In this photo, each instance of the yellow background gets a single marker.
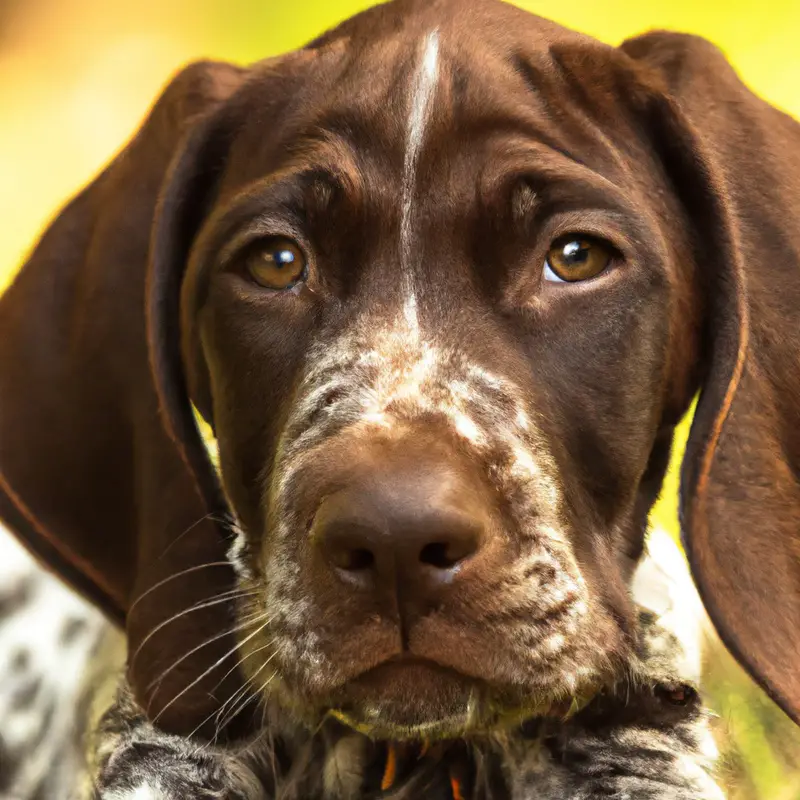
(76, 77)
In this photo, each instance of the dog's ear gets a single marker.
(735, 161)
(102, 473)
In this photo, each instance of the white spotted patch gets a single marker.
(48, 638)
(663, 585)
(145, 791)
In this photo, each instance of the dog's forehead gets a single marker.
(479, 23)
(463, 48)
(386, 77)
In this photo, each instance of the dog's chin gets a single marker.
(410, 699)
(420, 700)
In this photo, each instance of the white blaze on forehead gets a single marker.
(421, 104)
(410, 316)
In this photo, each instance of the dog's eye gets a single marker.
(576, 258)
(276, 263)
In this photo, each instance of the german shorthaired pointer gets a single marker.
(348, 386)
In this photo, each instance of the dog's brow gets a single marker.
(524, 201)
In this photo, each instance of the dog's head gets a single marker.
(442, 284)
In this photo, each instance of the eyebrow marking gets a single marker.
(421, 103)
(523, 202)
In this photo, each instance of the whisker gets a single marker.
(242, 625)
(212, 516)
(173, 577)
(216, 713)
(246, 694)
(241, 661)
(238, 693)
(242, 692)
(261, 688)
(225, 597)
(209, 670)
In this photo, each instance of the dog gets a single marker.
(439, 286)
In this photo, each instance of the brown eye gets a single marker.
(576, 258)
(276, 263)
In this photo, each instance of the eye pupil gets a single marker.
(576, 251)
(276, 263)
(577, 258)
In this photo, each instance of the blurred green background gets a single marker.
(76, 77)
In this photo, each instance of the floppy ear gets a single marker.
(735, 161)
(102, 474)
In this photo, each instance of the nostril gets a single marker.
(358, 560)
(352, 559)
(444, 555)
(436, 554)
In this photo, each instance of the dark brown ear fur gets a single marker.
(101, 472)
(735, 160)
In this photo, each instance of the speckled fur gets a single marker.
(375, 383)
(48, 640)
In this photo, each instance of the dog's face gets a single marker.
(442, 282)
(430, 319)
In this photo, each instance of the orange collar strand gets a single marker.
(455, 786)
(390, 771)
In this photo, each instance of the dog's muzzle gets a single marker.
(403, 531)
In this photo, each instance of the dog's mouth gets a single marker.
(411, 698)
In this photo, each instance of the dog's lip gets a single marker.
(412, 659)
(403, 666)
(407, 696)
(405, 663)
(363, 703)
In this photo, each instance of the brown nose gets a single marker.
(406, 532)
